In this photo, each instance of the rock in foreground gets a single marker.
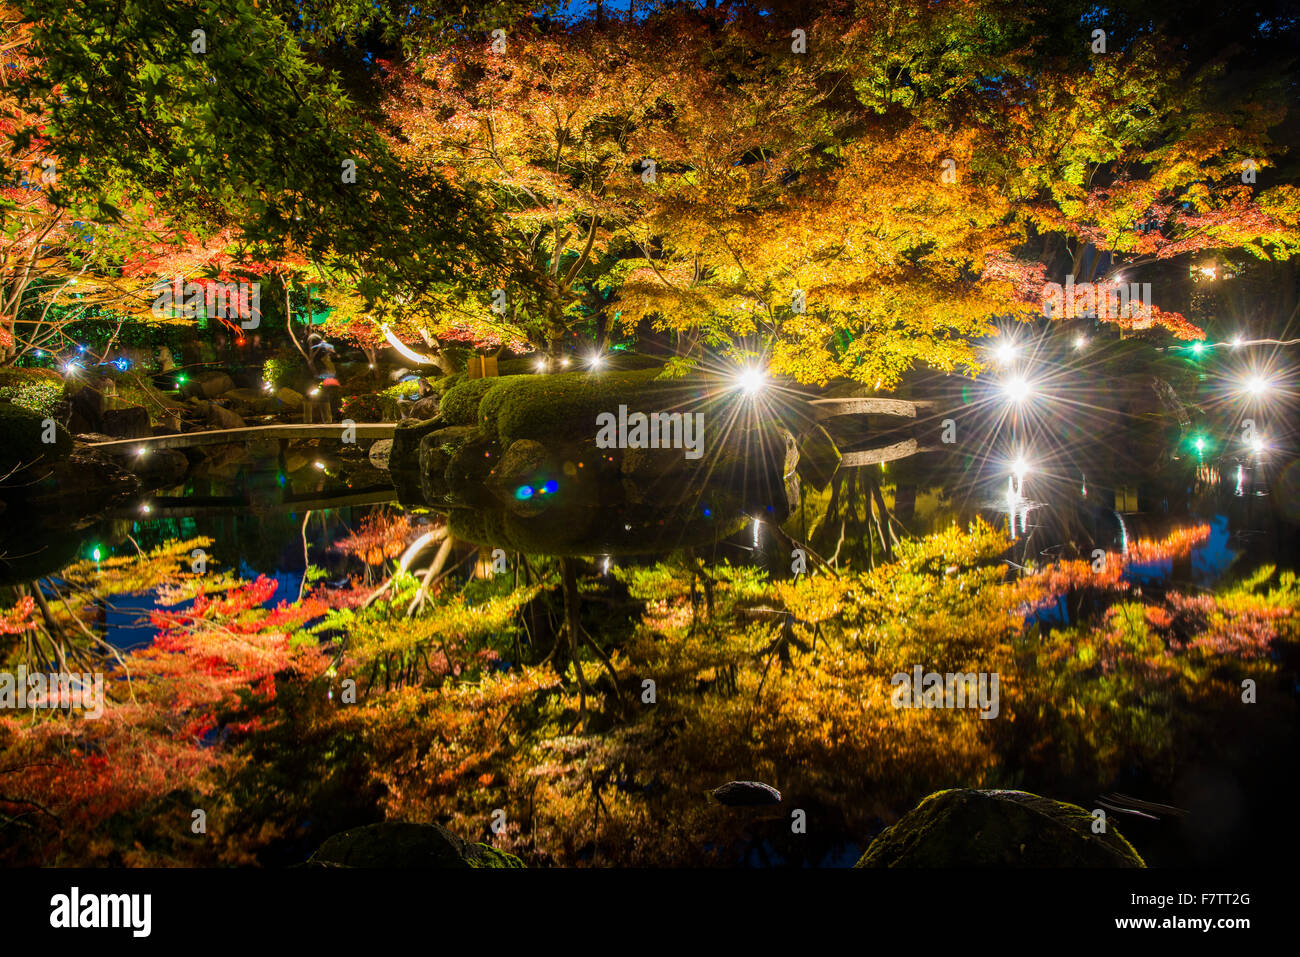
(398, 844)
(746, 794)
(968, 828)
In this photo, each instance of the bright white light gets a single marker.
(596, 360)
(565, 362)
(1257, 444)
(141, 450)
(751, 381)
(145, 509)
(1017, 389)
(314, 392)
(541, 365)
(1257, 385)
(319, 465)
(1006, 352)
(406, 353)
(1019, 468)
(1080, 342)
(1236, 342)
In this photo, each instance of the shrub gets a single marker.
(38, 390)
(281, 371)
(365, 407)
(548, 407)
(460, 402)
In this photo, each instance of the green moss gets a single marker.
(460, 403)
(21, 431)
(966, 828)
(401, 845)
(565, 406)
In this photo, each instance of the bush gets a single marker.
(38, 390)
(21, 431)
(460, 402)
(550, 407)
(365, 407)
(403, 390)
(282, 371)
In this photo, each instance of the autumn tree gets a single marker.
(560, 129)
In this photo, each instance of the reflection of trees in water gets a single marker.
(856, 527)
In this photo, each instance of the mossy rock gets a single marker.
(469, 468)
(434, 455)
(968, 828)
(406, 441)
(401, 845)
(21, 433)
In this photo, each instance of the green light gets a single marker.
(96, 553)
(1198, 348)
(182, 379)
(1199, 445)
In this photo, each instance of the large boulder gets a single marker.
(746, 794)
(968, 828)
(404, 458)
(252, 402)
(401, 845)
(218, 417)
(424, 408)
(131, 422)
(525, 463)
(207, 385)
(435, 453)
(380, 453)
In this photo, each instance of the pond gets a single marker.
(279, 513)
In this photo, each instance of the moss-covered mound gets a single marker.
(22, 434)
(396, 844)
(968, 828)
(460, 403)
(565, 406)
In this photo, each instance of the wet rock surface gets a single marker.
(968, 828)
(407, 846)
